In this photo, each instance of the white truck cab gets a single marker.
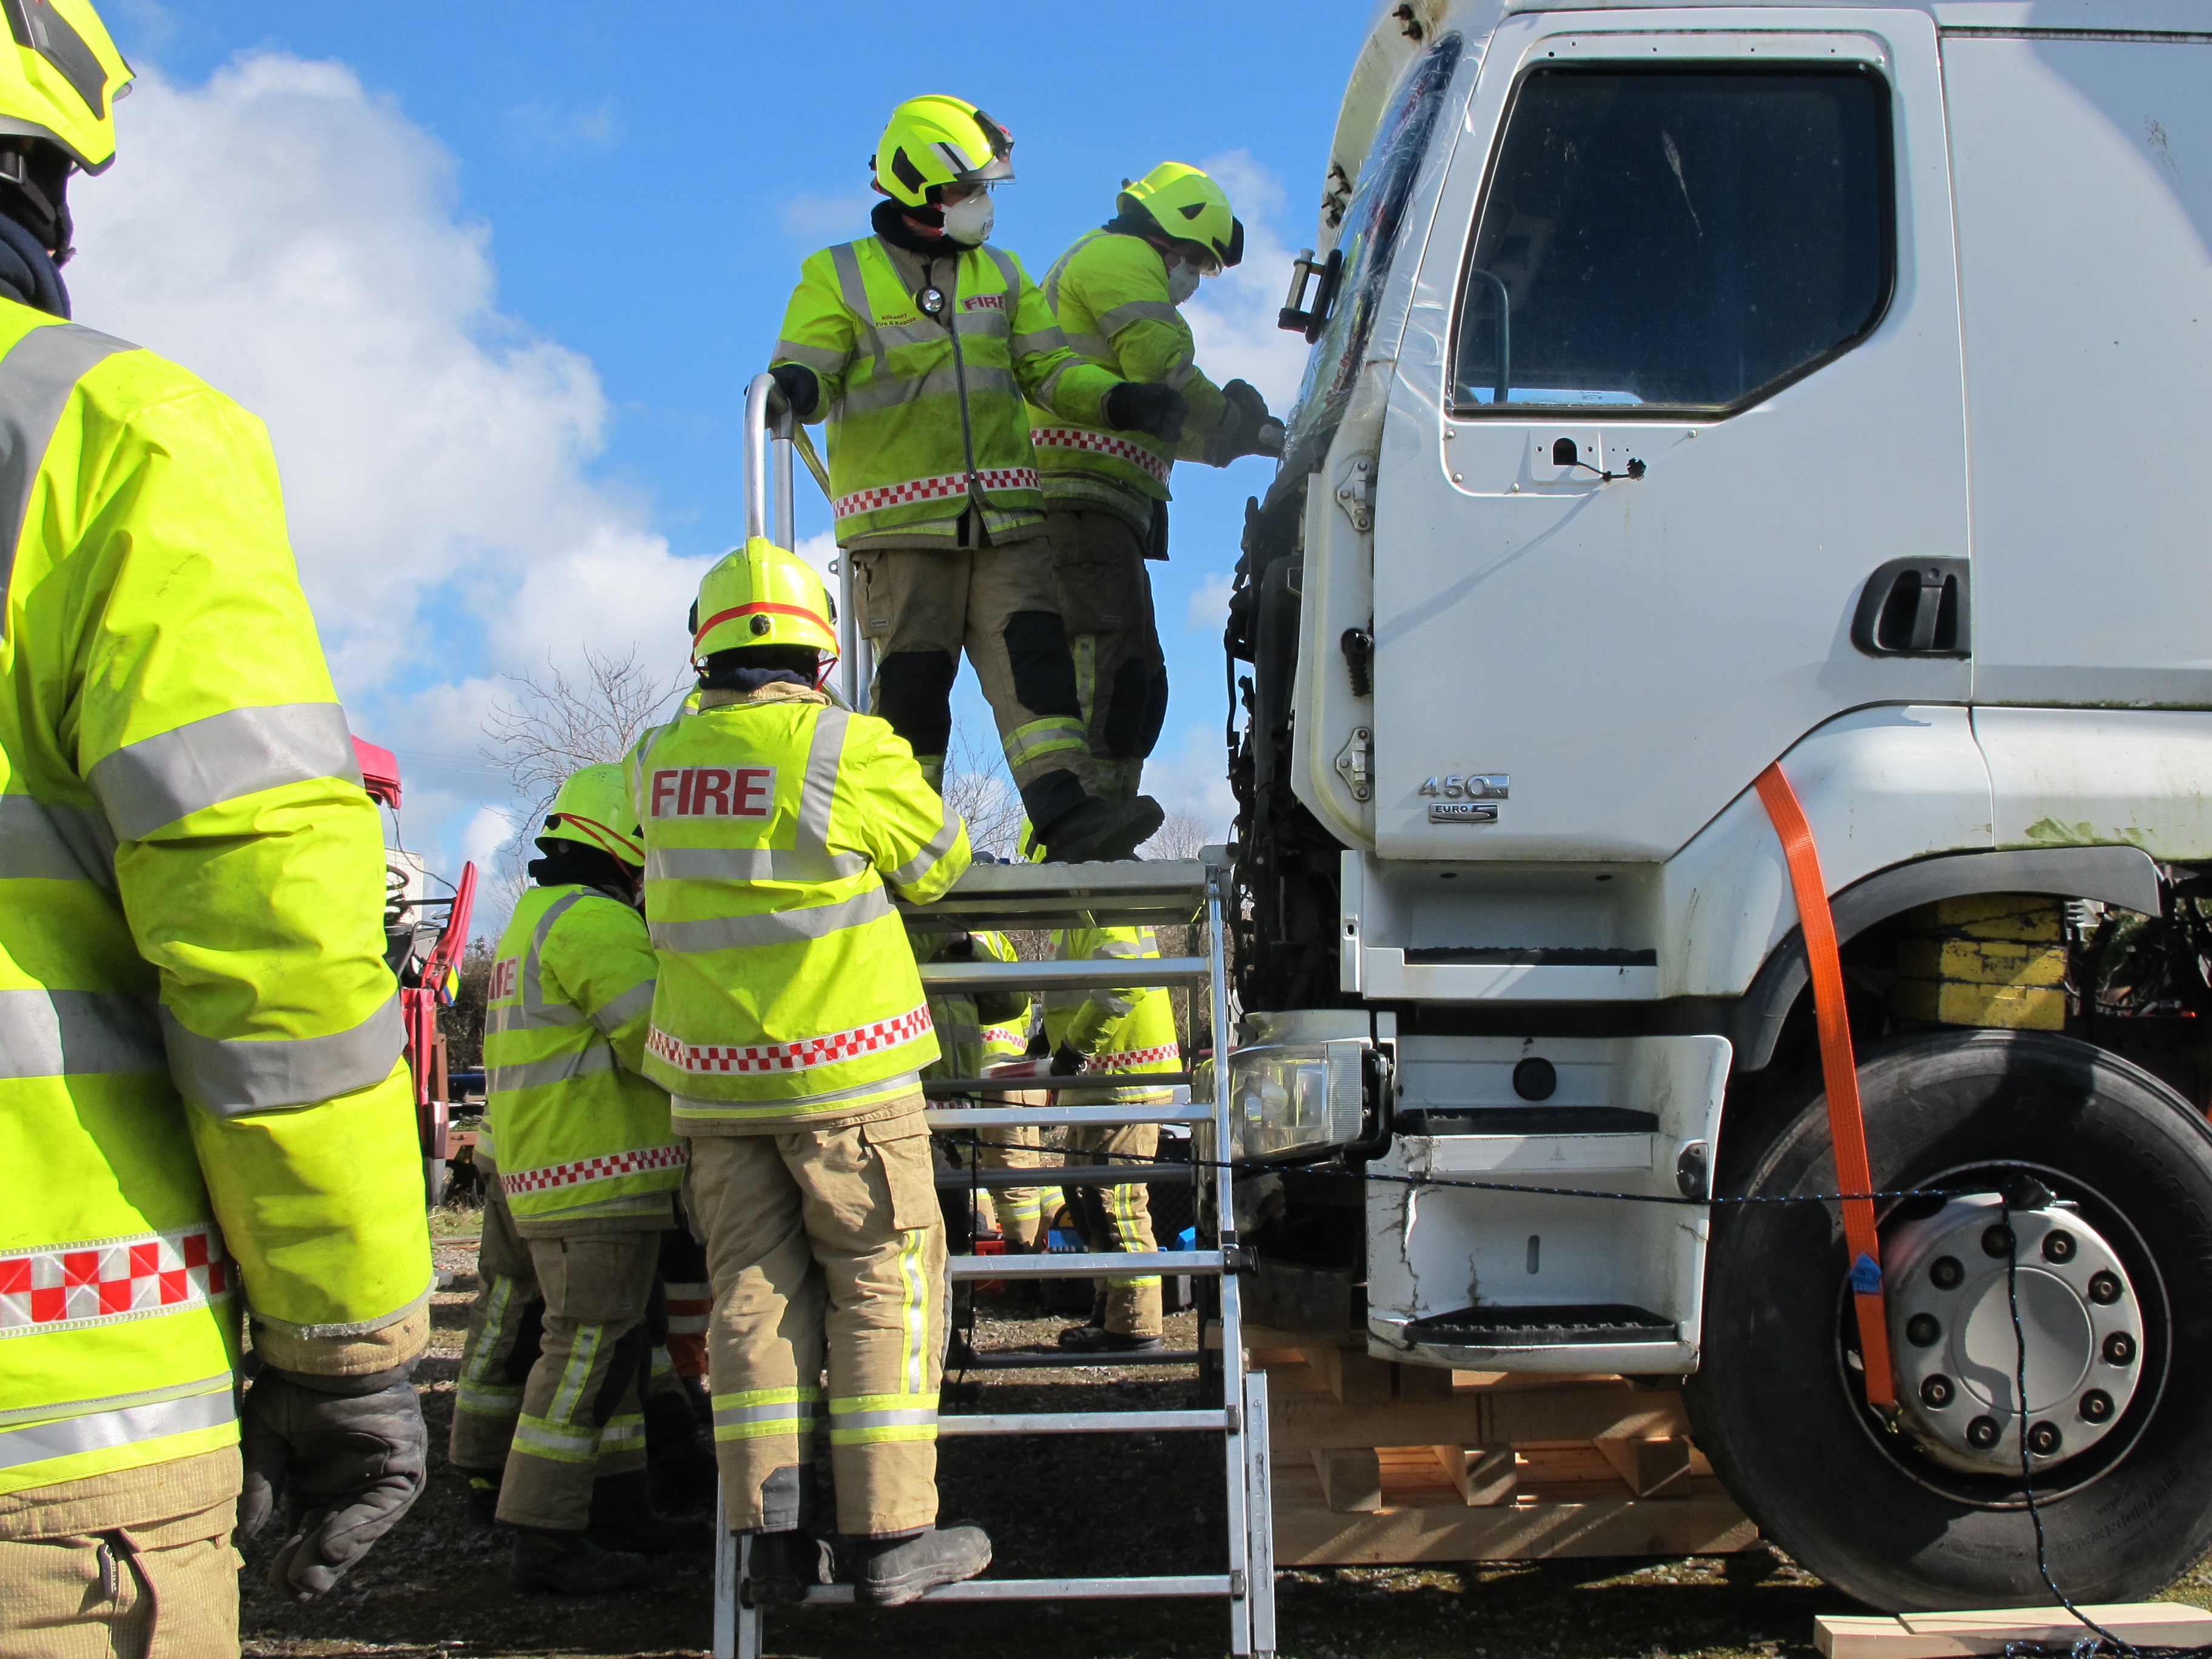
(1696, 390)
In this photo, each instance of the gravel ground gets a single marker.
(436, 1586)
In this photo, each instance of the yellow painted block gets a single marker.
(1982, 962)
(2008, 1007)
(1994, 915)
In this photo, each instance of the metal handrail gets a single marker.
(771, 429)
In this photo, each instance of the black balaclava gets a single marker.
(571, 864)
(748, 668)
(34, 226)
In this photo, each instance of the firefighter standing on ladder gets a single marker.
(200, 1044)
(918, 345)
(1115, 294)
(789, 1026)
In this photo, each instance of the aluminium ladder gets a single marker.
(1077, 895)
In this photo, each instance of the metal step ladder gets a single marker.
(1161, 894)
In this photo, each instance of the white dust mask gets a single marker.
(968, 221)
(1182, 281)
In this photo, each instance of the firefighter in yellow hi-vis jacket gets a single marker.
(207, 1119)
(1112, 1032)
(587, 1161)
(789, 1026)
(973, 1029)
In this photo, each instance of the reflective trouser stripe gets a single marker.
(538, 1437)
(914, 1313)
(577, 1374)
(1121, 1207)
(880, 1417)
(1054, 734)
(494, 1400)
(756, 1414)
(1085, 649)
(625, 1432)
(101, 1431)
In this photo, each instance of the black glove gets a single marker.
(348, 1466)
(961, 947)
(799, 387)
(1066, 1062)
(1148, 407)
(1245, 427)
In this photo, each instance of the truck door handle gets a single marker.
(1914, 608)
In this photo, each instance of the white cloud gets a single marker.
(489, 830)
(833, 216)
(1189, 778)
(297, 241)
(1209, 602)
(1232, 317)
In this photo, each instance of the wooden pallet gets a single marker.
(1376, 1464)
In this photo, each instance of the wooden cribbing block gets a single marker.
(1649, 1466)
(1351, 1479)
(1484, 1474)
(1947, 1635)
(1470, 1416)
(1358, 1378)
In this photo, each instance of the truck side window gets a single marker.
(1682, 239)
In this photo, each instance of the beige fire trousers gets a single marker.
(1118, 1219)
(582, 1414)
(921, 607)
(135, 1564)
(824, 1247)
(505, 1321)
(1105, 598)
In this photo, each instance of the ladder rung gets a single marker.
(1091, 976)
(1079, 1264)
(1008, 1359)
(993, 1087)
(1045, 1117)
(1084, 1423)
(1056, 1174)
(1051, 1589)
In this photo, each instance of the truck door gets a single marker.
(1680, 387)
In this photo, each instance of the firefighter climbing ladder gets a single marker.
(1077, 895)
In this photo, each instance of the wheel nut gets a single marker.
(1937, 1391)
(2058, 1246)
(1945, 1274)
(1923, 1331)
(2119, 1348)
(2096, 1406)
(1996, 1241)
(1982, 1433)
(2043, 1439)
(2104, 1287)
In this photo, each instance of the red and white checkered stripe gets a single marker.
(1124, 1058)
(591, 1168)
(1099, 443)
(928, 489)
(103, 1282)
(790, 1056)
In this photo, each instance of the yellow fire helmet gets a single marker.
(1189, 206)
(61, 81)
(593, 807)
(760, 594)
(937, 139)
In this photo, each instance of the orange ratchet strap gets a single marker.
(1840, 1071)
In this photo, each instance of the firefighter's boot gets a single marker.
(571, 1564)
(623, 1519)
(902, 1567)
(785, 1565)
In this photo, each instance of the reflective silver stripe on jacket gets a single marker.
(43, 842)
(750, 863)
(926, 859)
(771, 927)
(158, 780)
(103, 1431)
(232, 1076)
(633, 1004)
(36, 379)
(694, 1106)
(817, 791)
(77, 1034)
(1111, 323)
(555, 1069)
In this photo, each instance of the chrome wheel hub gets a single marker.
(1951, 1335)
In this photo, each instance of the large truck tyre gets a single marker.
(1890, 1515)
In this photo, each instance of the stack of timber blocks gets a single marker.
(1990, 959)
(1376, 1464)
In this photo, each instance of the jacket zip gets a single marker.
(960, 383)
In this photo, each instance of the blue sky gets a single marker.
(555, 240)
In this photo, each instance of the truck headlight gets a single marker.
(1289, 1098)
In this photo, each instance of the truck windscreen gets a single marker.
(1689, 238)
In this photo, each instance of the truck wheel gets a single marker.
(1895, 1517)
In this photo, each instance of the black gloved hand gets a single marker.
(347, 1466)
(961, 947)
(800, 389)
(1148, 407)
(1243, 423)
(1066, 1062)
